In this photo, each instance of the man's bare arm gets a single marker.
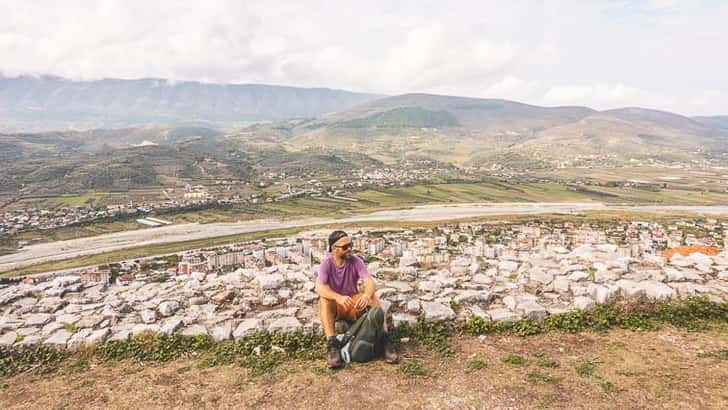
(369, 288)
(326, 292)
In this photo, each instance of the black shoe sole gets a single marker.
(336, 366)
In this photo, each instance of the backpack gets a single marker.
(361, 343)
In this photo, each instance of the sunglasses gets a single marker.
(344, 247)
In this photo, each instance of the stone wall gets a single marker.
(65, 313)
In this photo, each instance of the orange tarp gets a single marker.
(688, 250)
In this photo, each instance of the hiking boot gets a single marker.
(333, 354)
(391, 353)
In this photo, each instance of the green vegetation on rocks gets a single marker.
(692, 313)
(260, 353)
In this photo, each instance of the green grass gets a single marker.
(475, 364)
(721, 354)
(515, 360)
(538, 377)
(586, 366)
(262, 353)
(413, 369)
(547, 363)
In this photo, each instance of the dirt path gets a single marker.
(619, 369)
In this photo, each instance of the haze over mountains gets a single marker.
(53, 103)
(312, 131)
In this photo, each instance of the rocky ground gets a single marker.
(669, 368)
(66, 313)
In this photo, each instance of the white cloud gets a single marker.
(570, 52)
(598, 95)
(511, 87)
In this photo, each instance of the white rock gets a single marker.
(384, 292)
(78, 339)
(561, 284)
(657, 260)
(578, 275)
(58, 339)
(51, 328)
(98, 336)
(8, 339)
(277, 313)
(510, 301)
(170, 325)
(37, 319)
(584, 303)
(700, 259)
(192, 284)
(538, 275)
(144, 328)
(247, 327)
(679, 260)
(470, 296)
(270, 281)
(606, 247)
(222, 332)
(197, 300)
(90, 321)
(503, 315)
(193, 330)
(437, 311)
(30, 340)
(630, 288)
(120, 334)
(285, 325)
(68, 280)
(572, 268)
(429, 286)
(148, 316)
(602, 294)
(533, 310)
(658, 290)
(296, 277)
(507, 266)
(603, 276)
(51, 304)
(413, 306)
(400, 318)
(26, 302)
(198, 276)
(482, 279)
(402, 287)
(689, 289)
(168, 308)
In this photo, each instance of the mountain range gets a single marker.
(312, 131)
(48, 103)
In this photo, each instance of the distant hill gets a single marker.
(59, 162)
(470, 113)
(53, 103)
(475, 131)
(718, 121)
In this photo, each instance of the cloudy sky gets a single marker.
(666, 54)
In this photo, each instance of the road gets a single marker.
(59, 250)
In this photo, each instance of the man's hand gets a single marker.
(345, 301)
(362, 302)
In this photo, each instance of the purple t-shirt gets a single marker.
(342, 280)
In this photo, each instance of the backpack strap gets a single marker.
(355, 327)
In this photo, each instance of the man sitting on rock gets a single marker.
(340, 299)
